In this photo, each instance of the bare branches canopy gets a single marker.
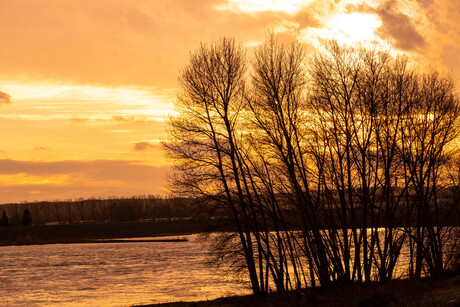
(326, 166)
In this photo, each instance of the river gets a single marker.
(121, 274)
(111, 274)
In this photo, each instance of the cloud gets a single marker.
(94, 168)
(425, 2)
(41, 148)
(4, 98)
(143, 146)
(285, 6)
(132, 42)
(132, 118)
(120, 118)
(142, 42)
(31, 180)
(79, 119)
(399, 26)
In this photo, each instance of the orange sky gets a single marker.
(85, 85)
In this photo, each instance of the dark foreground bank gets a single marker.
(99, 232)
(396, 293)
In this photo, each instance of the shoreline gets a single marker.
(100, 232)
(105, 241)
(94, 232)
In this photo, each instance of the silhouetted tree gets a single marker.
(430, 126)
(5, 220)
(320, 167)
(277, 105)
(204, 138)
(26, 218)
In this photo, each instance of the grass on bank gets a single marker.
(394, 293)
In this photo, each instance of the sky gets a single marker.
(86, 85)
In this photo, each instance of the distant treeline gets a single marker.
(138, 208)
(151, 207)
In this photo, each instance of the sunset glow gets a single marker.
(255, 6)
(91, 83)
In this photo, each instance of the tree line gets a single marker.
(326, 165)
(138, 208)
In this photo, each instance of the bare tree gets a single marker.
(319, 167)
(430, 126)
(204, 137)
(277, 105)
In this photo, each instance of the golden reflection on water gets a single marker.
(111, 274)
(120, 274)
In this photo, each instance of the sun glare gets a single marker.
(355, 27)
(345, 28)
(255, 6)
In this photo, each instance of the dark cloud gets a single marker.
(143, 146)
(4, 98)
(398, 26)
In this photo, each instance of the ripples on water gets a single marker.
(110, 274)
(119, 274)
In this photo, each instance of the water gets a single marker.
(111, 274)
(120, 274)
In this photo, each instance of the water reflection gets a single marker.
(122, 274)
(110, 274)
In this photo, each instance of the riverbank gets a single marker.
(99, 232)
(395, 293)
